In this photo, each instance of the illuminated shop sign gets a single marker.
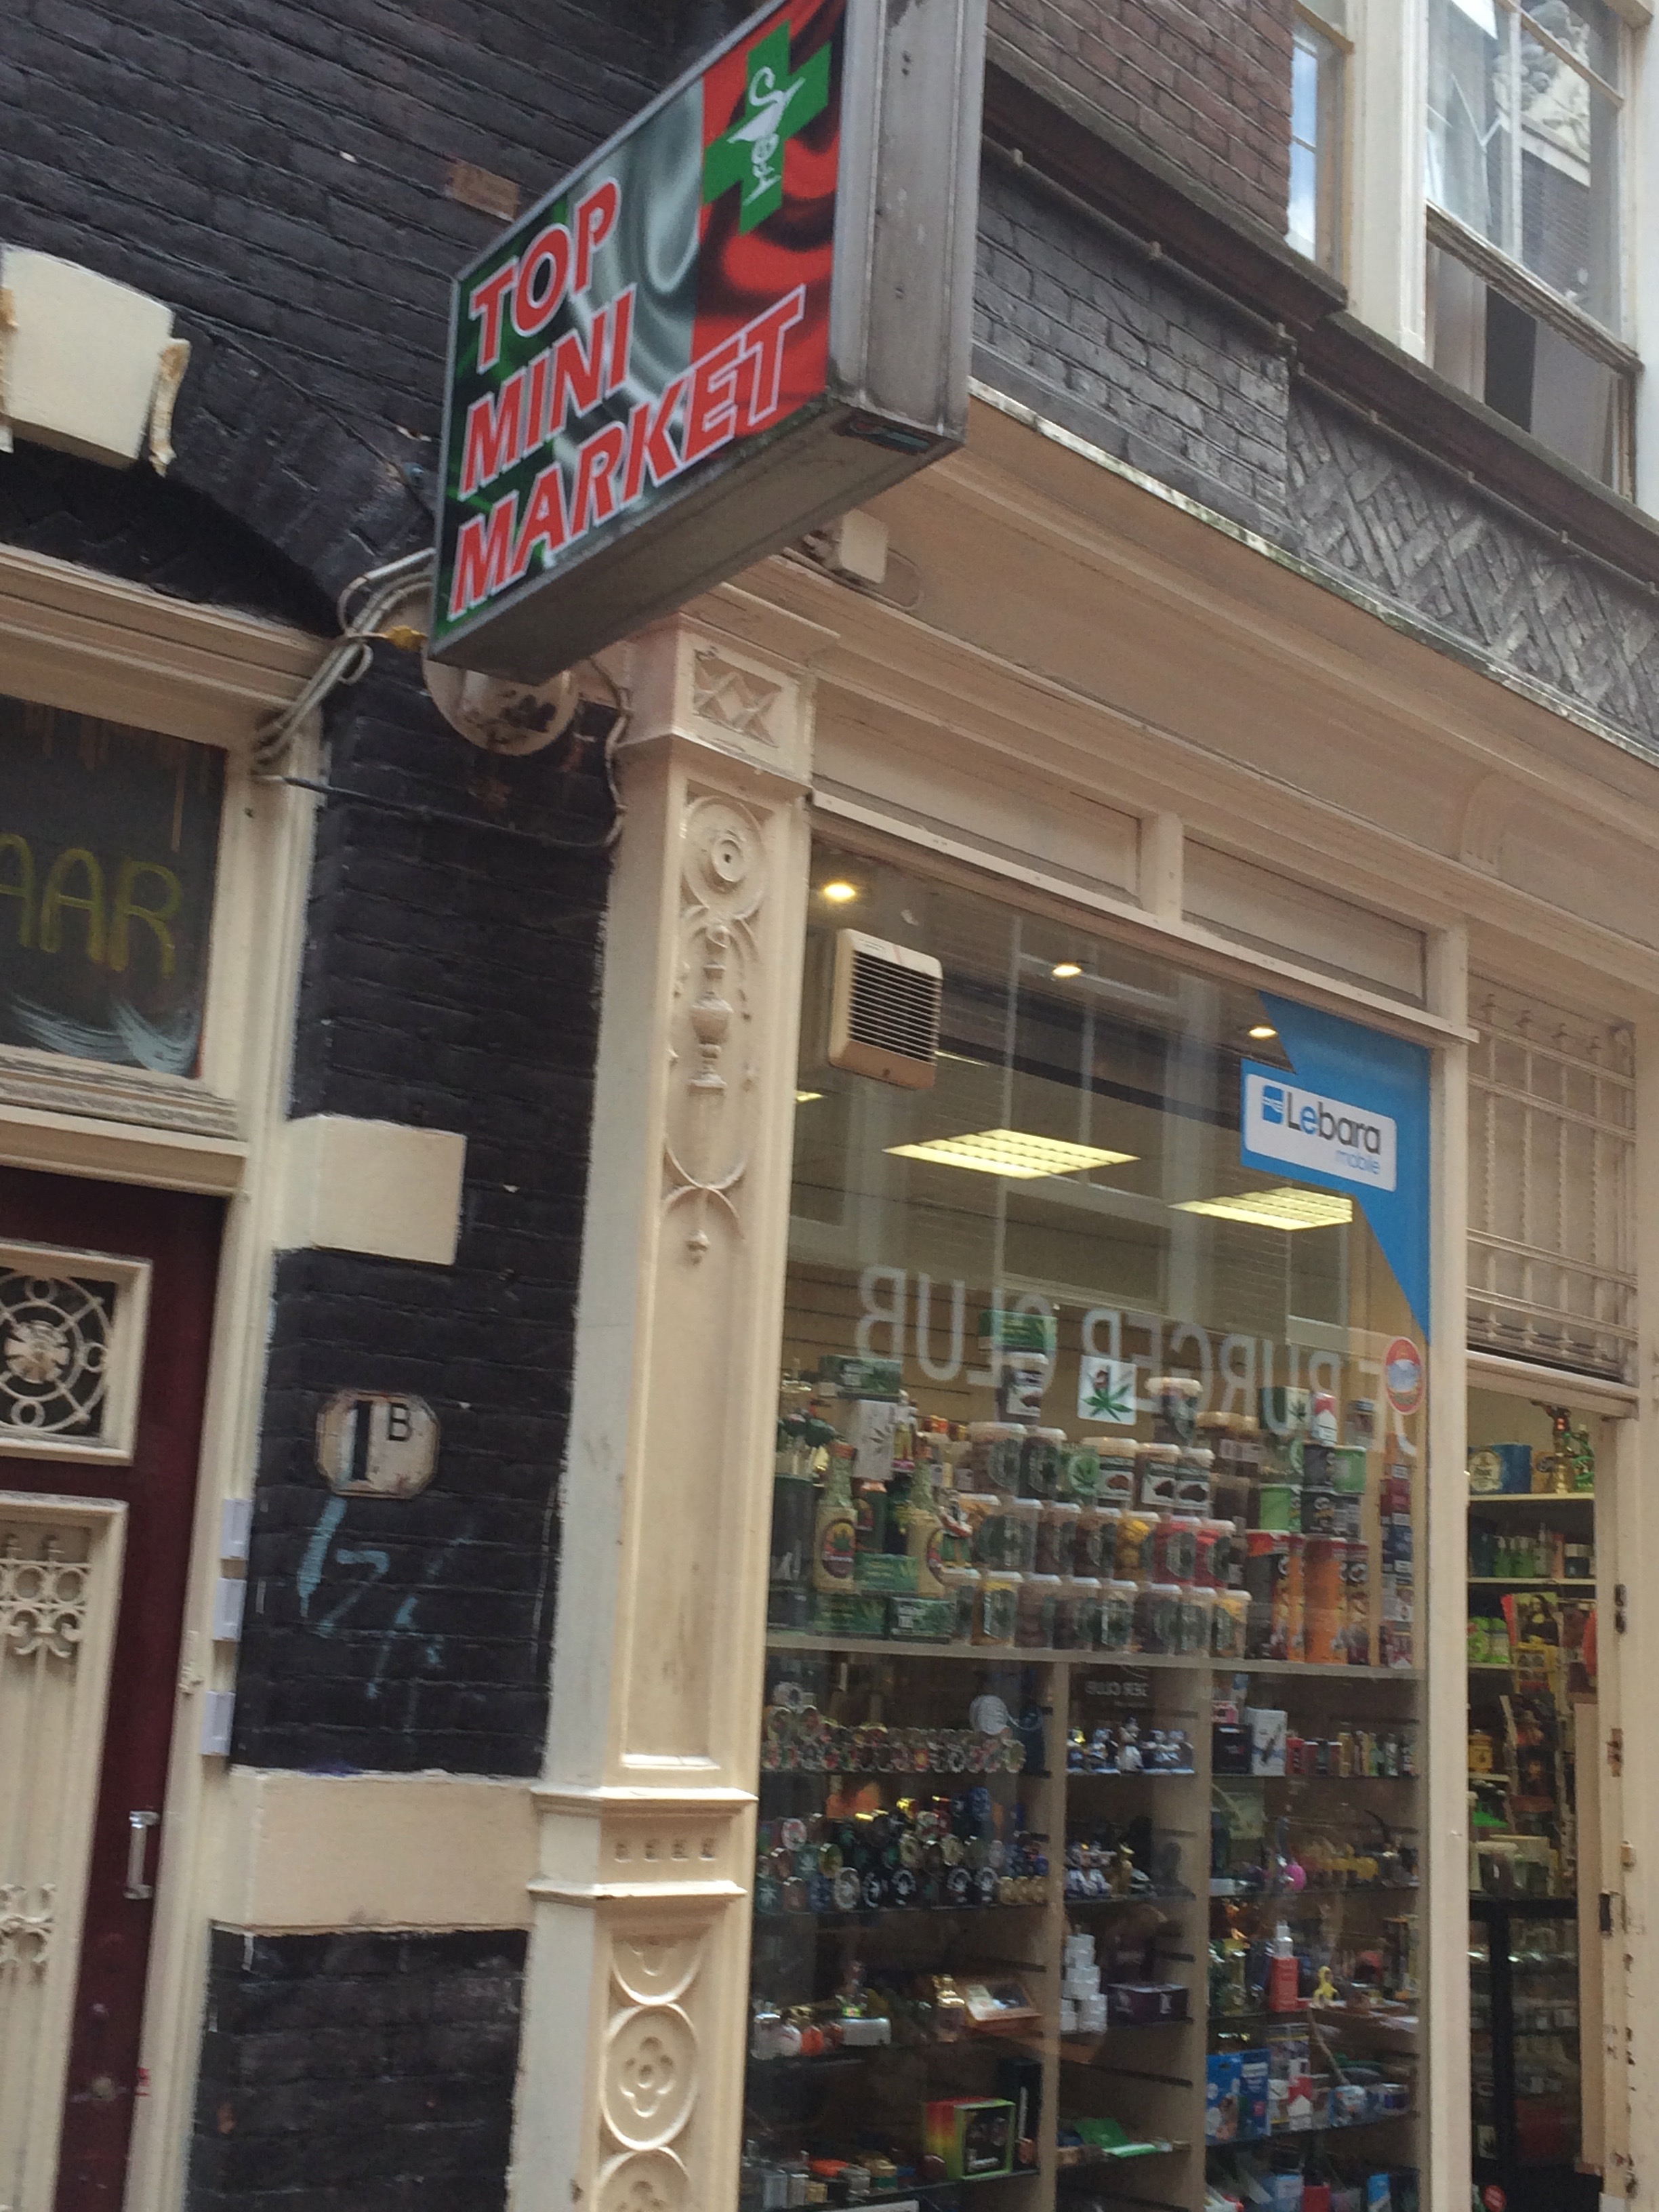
(747, 312)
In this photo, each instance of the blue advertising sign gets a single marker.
(1351, 1115)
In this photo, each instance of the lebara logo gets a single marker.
(751, 154)
(1305, 1129)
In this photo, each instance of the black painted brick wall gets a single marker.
(1068, 322)
(451, 983)
(1207, 82)
(359, 2073)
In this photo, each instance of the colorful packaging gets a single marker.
(1221, 2097)
(1357, 1590)
(970, 2135)
(1079, 1472)
(1255, 2067)
(1117, 1471)
(1326, 1614)
(921, 1620)
(1174, 1548)
(1278, 1506)
(1191, 1481)
(1155, 1476)
(1296, 1605)
(1267, 1563)
(1136, 1533)
(1348, 1469)
(1228, 1620)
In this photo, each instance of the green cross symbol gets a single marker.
(751, 154)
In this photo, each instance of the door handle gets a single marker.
(138, 1828)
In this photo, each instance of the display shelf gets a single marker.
(1315, 1670)
(1130, 1774)
(1084, 2157)
(1584, 1583)
(864, 1915)
(1531, 1498)
(1135, 1897)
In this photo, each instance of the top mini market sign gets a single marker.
(748, 311)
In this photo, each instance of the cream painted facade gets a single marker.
(1098, 702)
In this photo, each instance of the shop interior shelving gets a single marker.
(1153, 2078)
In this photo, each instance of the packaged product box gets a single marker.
(869, 1425)
(1221, 2098)
(1137, 2004)
(972, 2135)
(848, 1612)
(854, 1375)
(1290, 2077)
(1269, 1727)
(1379, 2192)
(1347, 1465)
(893, 1573)
(921, 1620)
(1254, 2101)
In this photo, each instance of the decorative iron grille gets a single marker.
(1552, 1140)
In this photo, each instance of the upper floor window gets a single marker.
(1523, 183)
(1315, 227)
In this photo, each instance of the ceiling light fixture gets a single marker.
(1011, 1152)
(839, 891)
(1287, 1207)
(1264, 1030)
(805, 1097)
(1063, 971)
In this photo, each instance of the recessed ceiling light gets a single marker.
(1012, 1152)
(839, 891)
(1264, 1030)
(1063, 971)
(1287, 1207)
(805, 1097)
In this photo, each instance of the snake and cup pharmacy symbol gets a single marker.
(751, 154)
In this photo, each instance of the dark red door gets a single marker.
(180, 1237)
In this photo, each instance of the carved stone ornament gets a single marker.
(650, 2079)
(644, 2181)
(27, 1920)
(656, 1972)
(711, 1070)
(43, 1601)
(733, 698)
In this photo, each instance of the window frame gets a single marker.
(1330, 146)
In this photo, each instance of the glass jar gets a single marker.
(1056, 1548)
(994, 1455)
(1035, 1626)
(1192, 1619)
(1191, 1481)
(1174, 1548)
(1077, 1612)
(1136, 1533)
(1116, 1626)
(1157, 1609)
(1040, 1459)
(1095, 1552)
(998, 1606)
(1229, 1617)
(1117, 1471)
(961, 1586)
(1155, 1476)
(1022, 1518)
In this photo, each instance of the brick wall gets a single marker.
(360, 2073)
(1206, 83)
(450, 982)
(1072, 323)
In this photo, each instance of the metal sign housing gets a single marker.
(747, 312)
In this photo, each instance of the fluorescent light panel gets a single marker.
(1012, 1152)
(1287, 1207)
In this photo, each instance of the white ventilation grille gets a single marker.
(1552, 1144)
(883, 1011)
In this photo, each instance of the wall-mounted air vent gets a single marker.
(883, 1011)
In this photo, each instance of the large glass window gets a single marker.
(1522, 181)
(1089, 1839)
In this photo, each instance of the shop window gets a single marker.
(1551, 1155)
(109, 842)
(1535, 1472)
(1090, 1829)
(1317, 95)
(1522, 182)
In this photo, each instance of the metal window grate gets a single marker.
(1552, 1139)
